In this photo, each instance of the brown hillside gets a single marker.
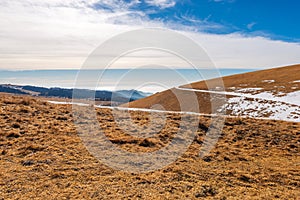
(169, 100)
(284, 81)
(283, 77)
(42, 157)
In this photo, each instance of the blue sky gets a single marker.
(278, 19)
(60, 34)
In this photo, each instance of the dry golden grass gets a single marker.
(42, 157)
(283, 78)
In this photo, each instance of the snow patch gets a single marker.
(264, 104)
(258, 108)
(249, 90)
(268, 81)
(290, 98)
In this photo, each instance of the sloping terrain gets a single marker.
(272, 93)
(281, 79)
(42, 157)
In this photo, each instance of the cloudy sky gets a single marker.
(60, 34)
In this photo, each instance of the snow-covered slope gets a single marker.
(258, 103)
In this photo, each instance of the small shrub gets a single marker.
(62, 118)
(203, 127)
(13, 135)
(25, 102)
(27, 162)
(15, 125)
(245, 178)
(207, 158)
(24, 110)
(147, 143)
(206, 191)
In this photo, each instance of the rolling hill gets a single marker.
(272, 93)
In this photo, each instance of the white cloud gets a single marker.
(200, 25)
(60, 34)
(57, 34)
(116, 4)
(238, 51)
(161, 3)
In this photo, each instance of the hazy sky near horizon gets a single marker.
(60, 34)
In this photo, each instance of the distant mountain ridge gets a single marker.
(99, 95)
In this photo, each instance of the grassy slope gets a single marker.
(42, 157)
(283, 76)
